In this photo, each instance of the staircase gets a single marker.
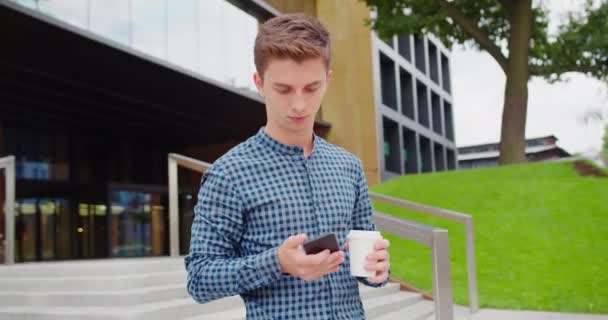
(147, 289)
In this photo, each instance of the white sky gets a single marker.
(558, 109)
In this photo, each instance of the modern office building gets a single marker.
(94, 94)
(486, 155)
(414, 105)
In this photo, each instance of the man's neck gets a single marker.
(302, 139)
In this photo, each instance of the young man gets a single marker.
(264, 198)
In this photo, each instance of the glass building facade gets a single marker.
(99, 189)
(212, 38)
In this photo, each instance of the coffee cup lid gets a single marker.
(364, 234)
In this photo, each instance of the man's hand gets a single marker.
(296, 262)
(377, 261)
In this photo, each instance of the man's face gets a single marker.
(293, 92)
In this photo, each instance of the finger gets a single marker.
(378, 256)
(332, 268)
(380, 278)
(295, 241)
(381, 244)
(335, 257)
(335, 263)
(346, 245)
(378, 266)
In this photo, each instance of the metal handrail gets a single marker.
(467, 220)
(190, 163)
(433, 237)
(8, 164)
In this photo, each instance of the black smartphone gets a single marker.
(328, 241)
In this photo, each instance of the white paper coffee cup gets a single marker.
(361, 244)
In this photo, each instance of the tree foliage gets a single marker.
(580, 45)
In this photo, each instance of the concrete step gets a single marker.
(109, 298)
(236, 309)
(122, 266)
(368, 292)
(420, 310)
(92, 283)
(65, 297)
(184, 308)
(239, 313)
(134, 289)
(375, 307)
(234, 314)
(231, 308)
(173, 309)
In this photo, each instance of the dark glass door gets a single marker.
(40, 224)
(138, 224)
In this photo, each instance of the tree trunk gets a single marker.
(513, 130)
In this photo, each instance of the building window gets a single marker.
(437, 114)
(137, 224)
(449, 128)
(73, 12)
(39, 155)
(183, 38)
(423, 104)
(420, 53)
(433, 62)
(387, 82)
(426, 160)
(405, 48)
(388, 41)
(110, 19)
(407, 94)
(451, 159)
(391, 146)
(439, 157)
(410, 151)
(150, 27)
(445, 73)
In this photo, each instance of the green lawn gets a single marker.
(541, 235)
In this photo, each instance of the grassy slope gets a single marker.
(541, 235)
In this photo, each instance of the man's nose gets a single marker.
(298, 104)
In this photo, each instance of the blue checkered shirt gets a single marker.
(251, 200)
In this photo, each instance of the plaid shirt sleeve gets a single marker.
(362, 215)
(215, 267)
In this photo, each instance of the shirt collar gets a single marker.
(271, 143)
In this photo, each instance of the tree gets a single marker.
(514, 33)
(605, 146)
(599, 116)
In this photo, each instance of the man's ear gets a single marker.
(330, 75)
(259, 83)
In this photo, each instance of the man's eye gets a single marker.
(283, 91)
(311, 89)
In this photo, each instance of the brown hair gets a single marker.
(294, 36)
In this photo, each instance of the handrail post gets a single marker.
(174, 161)
(471, 267)
(8, 164)
(173, 209)
(442, 278)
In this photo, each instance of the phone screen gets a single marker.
(328, 241)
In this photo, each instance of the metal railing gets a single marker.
(8, 164)
(467, 220)
(435, 238)
(176, 160)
